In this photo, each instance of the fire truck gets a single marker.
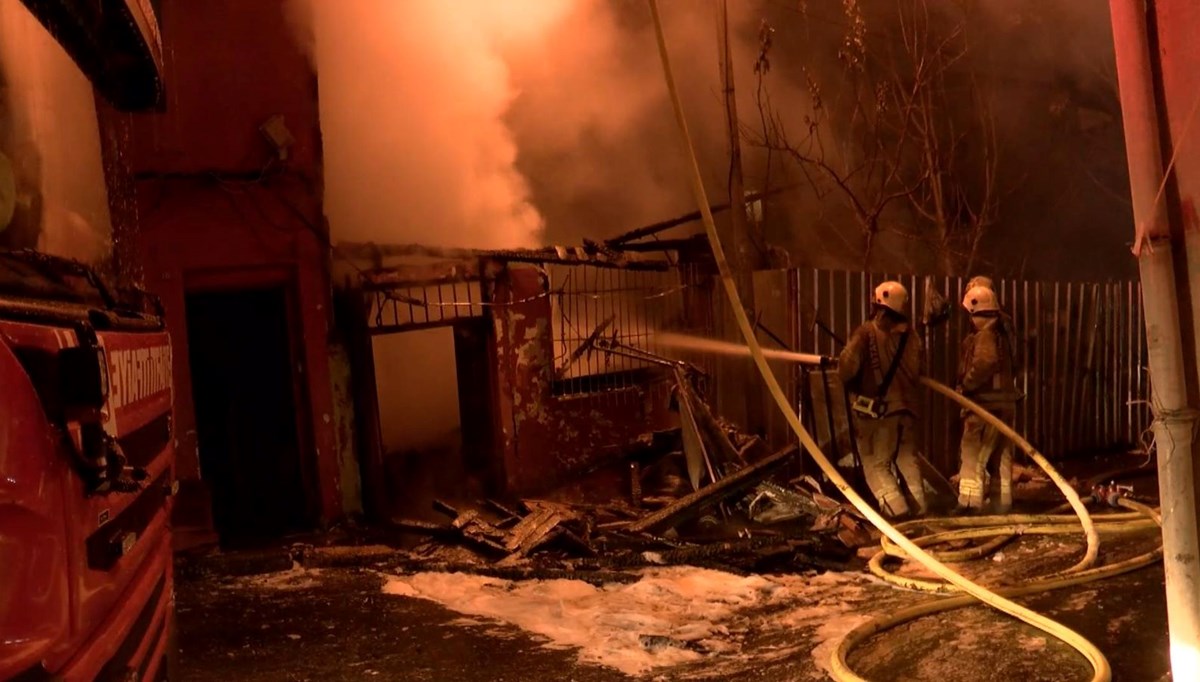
(86, 447)
(86, 481)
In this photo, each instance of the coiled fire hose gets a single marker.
(1116, 522)
(998, 599)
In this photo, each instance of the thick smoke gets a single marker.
(505, 123)
(593, 122)
(413, 98)
(498, 124)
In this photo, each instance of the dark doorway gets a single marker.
(472, 354)
(246, 418)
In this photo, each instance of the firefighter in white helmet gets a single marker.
(880, 366)
(980, 281)
(1005, 319)
(985, 374)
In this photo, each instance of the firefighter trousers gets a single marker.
(882, 442)
(980, 442)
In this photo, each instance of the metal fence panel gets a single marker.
(635, 304)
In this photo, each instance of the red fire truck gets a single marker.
(86, 449)
(86, 481)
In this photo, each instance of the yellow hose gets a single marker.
(841, 667)
(1102, 670)
(1006, 527)
(1005, 532)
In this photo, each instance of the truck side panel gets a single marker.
(117, 543)
(34, 594)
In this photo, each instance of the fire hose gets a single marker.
(999, 599)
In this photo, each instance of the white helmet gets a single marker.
(893, 296)
(980, 299)
(980, 281)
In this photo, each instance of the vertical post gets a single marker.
(1171, 368)
(366, 401)
(736, 382)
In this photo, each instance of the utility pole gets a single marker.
(741, 398)
(1157, 123)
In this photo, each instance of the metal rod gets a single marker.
(832, 308)
(829, 417)
(1051, 436)
(1025, 421)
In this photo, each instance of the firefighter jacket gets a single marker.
(985, 368)
(868, 354)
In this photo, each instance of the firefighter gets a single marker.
(880, 365)
(1006, 320)
(1010, 334)
(985, 375)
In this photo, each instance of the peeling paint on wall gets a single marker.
(546, 438)
(344, 434)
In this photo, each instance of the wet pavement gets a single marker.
(339, 624)
(361, 618)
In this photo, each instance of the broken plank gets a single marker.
(541, 534)
(734, 483)
(465, 518)
(469, 536)
(509, 517)
(532, 524)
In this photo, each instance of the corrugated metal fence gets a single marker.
(1081, 351)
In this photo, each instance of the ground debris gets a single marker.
(703, 494)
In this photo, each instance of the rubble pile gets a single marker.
(703, 495)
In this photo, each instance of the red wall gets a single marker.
(216, 209)
(544, 438)
(230, 65)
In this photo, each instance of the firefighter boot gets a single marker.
(978, 442)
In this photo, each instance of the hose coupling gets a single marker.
(1111, 494)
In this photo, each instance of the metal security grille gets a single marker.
(405, 308)
(596, 310)
(1082, 354)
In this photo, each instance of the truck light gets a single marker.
(84, 376)
(125, 543)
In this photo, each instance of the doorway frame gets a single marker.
(361, 322)
(287, 279)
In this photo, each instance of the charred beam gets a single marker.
(687, 244)
(662, 226)
(445, 272)
(691, 504)
(553, 255)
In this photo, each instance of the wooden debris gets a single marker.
(735, 502)
(692, 504)
(532, 530)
